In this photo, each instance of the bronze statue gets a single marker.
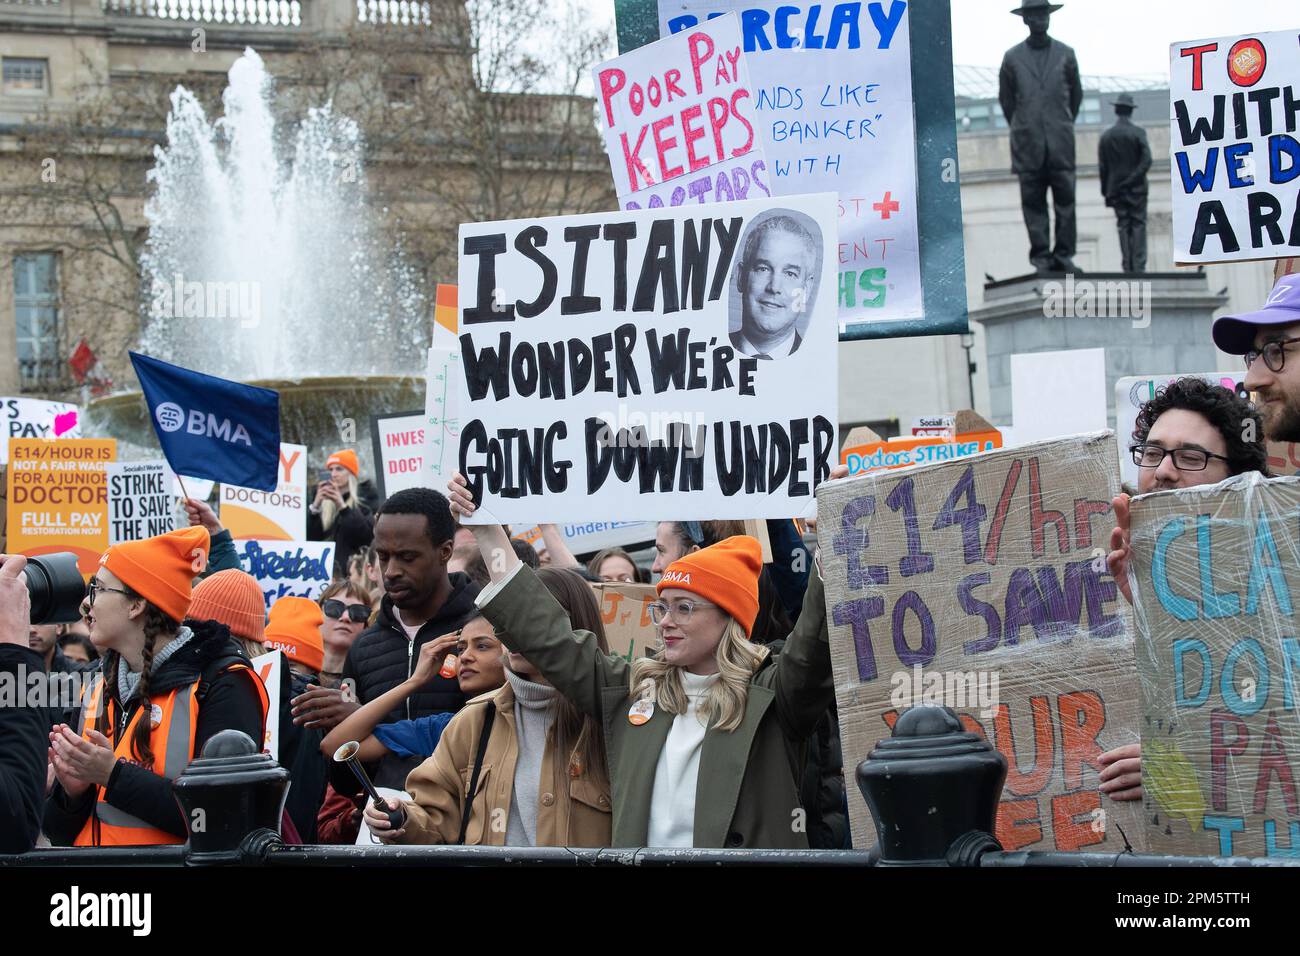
(1125, 158)
(1040, 92)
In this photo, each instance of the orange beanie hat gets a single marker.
(294, 627)
(348, 459)
(161, 569)
(725, 573)
(235, 599)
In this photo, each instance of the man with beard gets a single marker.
(1270, 342)
(1192, 433)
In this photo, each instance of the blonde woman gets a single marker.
(343, 510)
(704, 740)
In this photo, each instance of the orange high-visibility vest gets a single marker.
(175, 714)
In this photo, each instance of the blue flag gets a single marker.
(212, 428)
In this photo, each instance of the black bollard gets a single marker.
(232, 790)
(933, 790)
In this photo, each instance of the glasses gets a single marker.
(357, 613)
(93, 587)
(1274, 354)
(680, 610)
(1185, 459)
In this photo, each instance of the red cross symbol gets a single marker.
(886, 206)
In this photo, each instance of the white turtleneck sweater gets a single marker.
(534, 714)
(672, 801)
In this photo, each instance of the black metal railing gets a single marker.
(932, 788)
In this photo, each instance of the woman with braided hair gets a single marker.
(162, 690)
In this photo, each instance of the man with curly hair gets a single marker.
(1191, 433)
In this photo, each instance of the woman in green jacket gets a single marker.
(705, 739)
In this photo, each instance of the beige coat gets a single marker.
(576, 814)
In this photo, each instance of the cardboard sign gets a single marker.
(57, 497)
(1216, 583)
(141, 503)
(611, 380)
(399, 442)
(678, 119)
(835, 112)
(288, 568)
(270, 515)
(34, 418)
(625, 611)
(864, 451)
(982, 585)
(1235, 156)
(268, 668)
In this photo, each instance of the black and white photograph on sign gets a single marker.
(599, 377)
(775, 284)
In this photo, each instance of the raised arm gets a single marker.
(801, 677)
(558, 548)
(529, 621)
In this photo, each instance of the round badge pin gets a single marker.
(1246, 62)
(640, 712)
(155, 715)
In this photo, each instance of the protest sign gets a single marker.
(446, 316)
(442, 415)
(57, 497)
(288, 568)
(864, 451)
(399, 444)
(140, 500)
(982, 585)
(1215, 584)
(625, 611)
(1133, 391)
(621, 375)
(1235, 158)
(279, 515)
(34, 418)
(834, 109)
(678, 119)
(589, 537)
(1058, 393)
(268, 669)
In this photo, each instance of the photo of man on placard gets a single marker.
(776, 281)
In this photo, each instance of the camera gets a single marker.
(56, 587)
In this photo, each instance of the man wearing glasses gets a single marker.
(1192, 433)
(1270, 342)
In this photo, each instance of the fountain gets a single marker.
(265, 264)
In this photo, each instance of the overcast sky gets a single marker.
(1111, 37)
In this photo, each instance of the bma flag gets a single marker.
(212, 428)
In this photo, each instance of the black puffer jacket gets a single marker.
(382, 657)
(229, 701)
(353, 529)
(24, 736)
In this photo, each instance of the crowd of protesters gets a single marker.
(475, 674)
